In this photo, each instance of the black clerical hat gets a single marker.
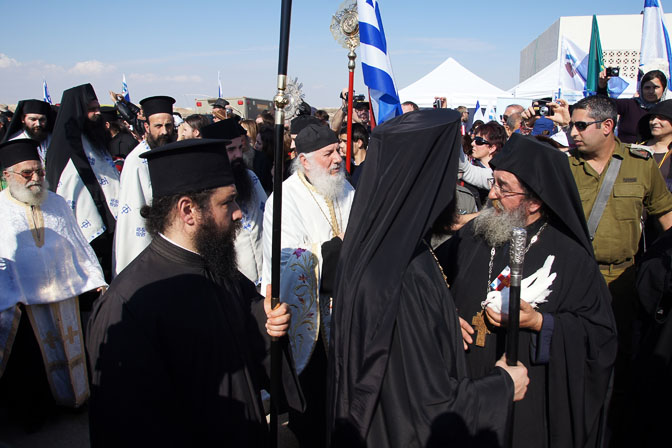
(18, 150)
(109, 113)
(221, 102)
(225, 129)
(188, 166)
(36, 107)
(300, 122)
(314, 137)
(157, 105)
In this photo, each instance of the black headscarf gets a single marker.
(408, 180)
(66, 144)
(545, 171)
(16, 124)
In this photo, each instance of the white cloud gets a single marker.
(6, 61)
(90, 68)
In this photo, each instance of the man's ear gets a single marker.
(304, 160)
(533, 206)
(186, 211)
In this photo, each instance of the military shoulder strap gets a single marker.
(641, 151)
(603, 196)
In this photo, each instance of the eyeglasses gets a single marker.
(582, 125)
(481, 141)
(28, 174)
(504, 118)
(502, 191)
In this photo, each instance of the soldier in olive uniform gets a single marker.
(638, 186)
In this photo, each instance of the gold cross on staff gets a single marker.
(478, 321)
(51, 340)
(71, 335)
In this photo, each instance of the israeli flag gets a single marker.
(655, 49)
(124, 89)
(45, 92)
(219, 83)
(376, 62)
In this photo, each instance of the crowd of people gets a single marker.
(136, 258)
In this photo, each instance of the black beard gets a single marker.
(217, 248)
(159, 141)
(242, 180)
(38, 134)
(96, 133)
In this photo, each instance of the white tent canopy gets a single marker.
(540, 85)
(451, 80)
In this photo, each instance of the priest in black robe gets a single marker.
(398, 374)
(567, 336)
(178, 345)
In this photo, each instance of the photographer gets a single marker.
(131, 114)
(652, 89)
(360, 108)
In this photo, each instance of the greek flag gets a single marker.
(655, 49)
(45, 92)
(124, 89)
(376, 62)
(219, 89)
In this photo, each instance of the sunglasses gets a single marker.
(582, 125)
(28, 174)
(481, 141)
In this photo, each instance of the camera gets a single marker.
(541, 108)
(437, 103)
(613, 71)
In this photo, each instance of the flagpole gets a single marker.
(351, 81)
(280, 101)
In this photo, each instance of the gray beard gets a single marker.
(29, 195)
(496, 227)
(331, 186)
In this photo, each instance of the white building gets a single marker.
(621, 37)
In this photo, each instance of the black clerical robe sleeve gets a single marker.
(292, 395)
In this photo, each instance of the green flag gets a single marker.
(595, 62)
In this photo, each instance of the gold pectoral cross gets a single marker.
(478, 321)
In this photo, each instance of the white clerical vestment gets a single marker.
(249, 248)
(45, 263)
(42, 149)
(73, 189)
(131, 236)
(308, 220)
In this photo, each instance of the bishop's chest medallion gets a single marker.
(478, 321)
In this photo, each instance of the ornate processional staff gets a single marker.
(345, 29)
(280, 102)
(517, 256)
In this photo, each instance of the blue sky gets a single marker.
(176, 47)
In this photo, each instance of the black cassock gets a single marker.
(426, 398)
(569, 361)
(178, 359)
